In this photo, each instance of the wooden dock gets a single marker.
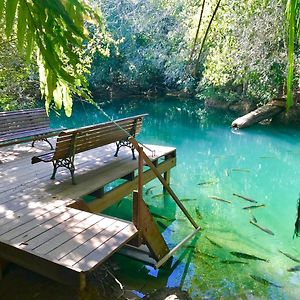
(43, 225)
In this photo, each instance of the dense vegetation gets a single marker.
(223, 50)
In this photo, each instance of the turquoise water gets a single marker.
(261, 163)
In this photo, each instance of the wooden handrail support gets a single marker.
(148, 231)
(162, 180)
(140, 202)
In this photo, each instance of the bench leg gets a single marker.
(66, 163)
(42, 139)
(133, 155)
(124, 143)
(46, 140)
(72, 171)
(118, 148)
(54, 170)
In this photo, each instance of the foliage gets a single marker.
(19, 86)
(246, 50)
(293, 25)
(57, 29)
(152, 44)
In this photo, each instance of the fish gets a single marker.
(158, 196)
(290, 256)
(297, 222)
(207, 182)
(149, 190)
(240, 170)
(294, 269)
(219, 199)
(254, 219)
(187, 199)
(162, 217)
(268, 231)
(198, 213)
(264, 281)
(231, 262)
(212, 242)
(245, 198)
(254, 206)
(119, 203)
(247, 256)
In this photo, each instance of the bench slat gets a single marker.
(24, 125)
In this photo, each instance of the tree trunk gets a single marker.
(265, 112)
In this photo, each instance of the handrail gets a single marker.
(144, 157)
(163, 181)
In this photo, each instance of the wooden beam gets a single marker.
(129, 176)
(167, 177)
(169, 255)
(113, 196)
(43, 266)
(148, 229)
(98, 193)
(3, 265)
(80, 205)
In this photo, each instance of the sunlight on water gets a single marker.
(261, 163)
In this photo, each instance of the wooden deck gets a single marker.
(41, 232)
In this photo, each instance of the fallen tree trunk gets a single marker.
(265, 112)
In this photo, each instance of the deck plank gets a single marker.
(106, 249)
(90, 243)
(26, 212)
(54, 231)
(16, 231)
(20, 219)
(80, 238)
(51, 223)
(59, 241)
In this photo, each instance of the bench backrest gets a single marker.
(23, 120)
(93, 136)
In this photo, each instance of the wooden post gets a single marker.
(137, 199)
(167, 177)
(140, 180)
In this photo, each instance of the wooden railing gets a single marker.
(139, 206)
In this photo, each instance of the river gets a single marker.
(261, 163)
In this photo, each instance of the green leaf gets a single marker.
(22, 24)
(1, 8)
(58, 96)
(29, 46)
(291, 17)
(67, 100)
(10, 13)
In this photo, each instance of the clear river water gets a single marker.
(261, 163)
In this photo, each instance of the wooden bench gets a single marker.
(25, 125)
(73, 141)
